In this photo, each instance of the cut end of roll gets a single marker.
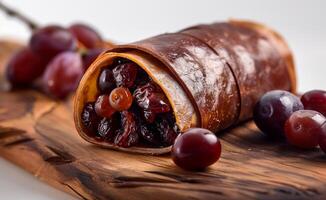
(88, 91)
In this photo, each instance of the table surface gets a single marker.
(303, 25)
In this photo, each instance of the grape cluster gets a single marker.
(302, 122)
(56, 56)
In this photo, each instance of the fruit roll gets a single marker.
(207, 76)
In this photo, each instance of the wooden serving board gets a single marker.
(38, 134)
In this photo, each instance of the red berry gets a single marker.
(86, 35)
(273, 109)
(103, 107)
(51, 40)
(106, 81)
(315, 100)
(24, 67)
(106, 128)
(303, 128)
(196, 149)
(121, 99)
(128, 134)
(90, 119)
(322, 138)
(125, 74)
(151, 99)
(62, 74)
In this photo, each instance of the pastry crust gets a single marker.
(212, 74)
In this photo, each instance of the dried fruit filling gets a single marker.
(130, 110)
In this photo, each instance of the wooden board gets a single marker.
(38, 134)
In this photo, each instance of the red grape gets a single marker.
(303, 128)
(63, 74)
(196, 149)
(90, 56)
(24, 67)
(86, 35)
(315, 100)
(51, 40)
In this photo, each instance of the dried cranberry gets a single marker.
(106, 128)
(106, 81)
(166, 131)
(89, 118)
(128, 134)
(103, 107)
(121, 99)
(125, 74)
(142, 78)
(303, 128)
(196, 149)
(149, 116)
(151, 99)
(315, 100)
(273, 109)
(147, 132)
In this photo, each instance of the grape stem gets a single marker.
(14, 13)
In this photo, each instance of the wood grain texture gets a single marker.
(38, 134)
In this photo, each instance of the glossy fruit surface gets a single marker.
(24, 67)
(90, 56)
(322, 138)
(273, 109)
(121, 99)
(315, 100)
(106, 82)
(303, 128)
(128, 134)
(63, 74)
(196, 149)
(165, 129)
(106, 128)
(51, 40)
(86, 35)
(152, 100)
(89, 118)
(103, 107)
(149, 122)
(125, 74)
(148, 134)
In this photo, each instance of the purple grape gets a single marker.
(24, 67)
(62, 74)
(86, 35)
(272, 111)
(51, 40)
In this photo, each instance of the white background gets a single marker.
(302, 23)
